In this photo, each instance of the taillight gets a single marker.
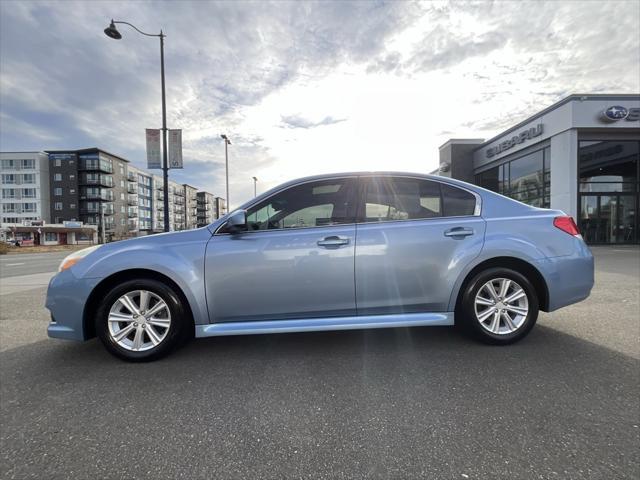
(566, 224)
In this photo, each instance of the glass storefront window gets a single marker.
(489, 179)
(608, 166)
(526, 179)
(609, 191)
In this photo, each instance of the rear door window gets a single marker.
(389, 199)
(396, 198)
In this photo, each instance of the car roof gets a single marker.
(368, 174)
(328, 176)
(381, 173)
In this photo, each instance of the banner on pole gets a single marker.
(175, 148)
(153, 148)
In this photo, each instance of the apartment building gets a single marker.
(24, 181)
(220, 207)
(205, 205)
(141, 201)
(97, 188)
(190, 206)
(157, 204)
(177, 207)
(91, 185)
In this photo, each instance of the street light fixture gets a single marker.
(227, 142)
(112, 32)
(255, 181)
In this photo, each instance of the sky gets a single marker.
(301, 88)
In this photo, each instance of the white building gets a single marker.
(24, 185)
(580, 155)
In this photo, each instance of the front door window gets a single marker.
(313, 204)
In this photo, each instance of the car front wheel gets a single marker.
(499, 306)
(141, 320)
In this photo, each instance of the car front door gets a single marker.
(414, 237)
(296, 260)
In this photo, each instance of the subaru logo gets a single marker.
(614, 113)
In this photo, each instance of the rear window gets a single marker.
(457, 202)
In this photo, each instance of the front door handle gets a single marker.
(333, 241)
(458, 232)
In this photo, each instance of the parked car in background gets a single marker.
(333, 252)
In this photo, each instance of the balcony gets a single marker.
(132, 188)
(94, 164)
(97, 180)
(95, 211)
(104, 196)
(159, 196)
(132, 200)
(132, 213)
(132, 177)
(178, 201)
(132, 226)
(179, 193)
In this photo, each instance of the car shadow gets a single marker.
(338, 351)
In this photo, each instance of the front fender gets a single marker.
(179, 256)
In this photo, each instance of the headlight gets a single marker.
(70, 260)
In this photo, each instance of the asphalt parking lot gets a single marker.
(402, 403)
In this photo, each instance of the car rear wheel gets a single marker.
(499, 306)
(141, 320)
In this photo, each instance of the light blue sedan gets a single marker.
(334, 252)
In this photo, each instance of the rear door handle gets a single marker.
(458, 232)
(333, 241)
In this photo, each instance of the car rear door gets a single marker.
(296, 261)
(414, 237)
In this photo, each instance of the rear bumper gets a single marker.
(66, 298)
(569, 278)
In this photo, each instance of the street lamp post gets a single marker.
(112, 32)
(255, 191)
(227, 142)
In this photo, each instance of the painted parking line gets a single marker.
(13, 264)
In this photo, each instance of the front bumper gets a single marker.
(569, 278)
(66, 299)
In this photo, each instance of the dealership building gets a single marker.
(580, 155)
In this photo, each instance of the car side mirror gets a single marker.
(237, 222)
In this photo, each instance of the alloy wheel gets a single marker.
(139, 320)
(501, 306)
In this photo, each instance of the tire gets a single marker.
(488, 317)
(141, 337)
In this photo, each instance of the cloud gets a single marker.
(296, 121)
(410, 71)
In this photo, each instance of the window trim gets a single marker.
(360, 192)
